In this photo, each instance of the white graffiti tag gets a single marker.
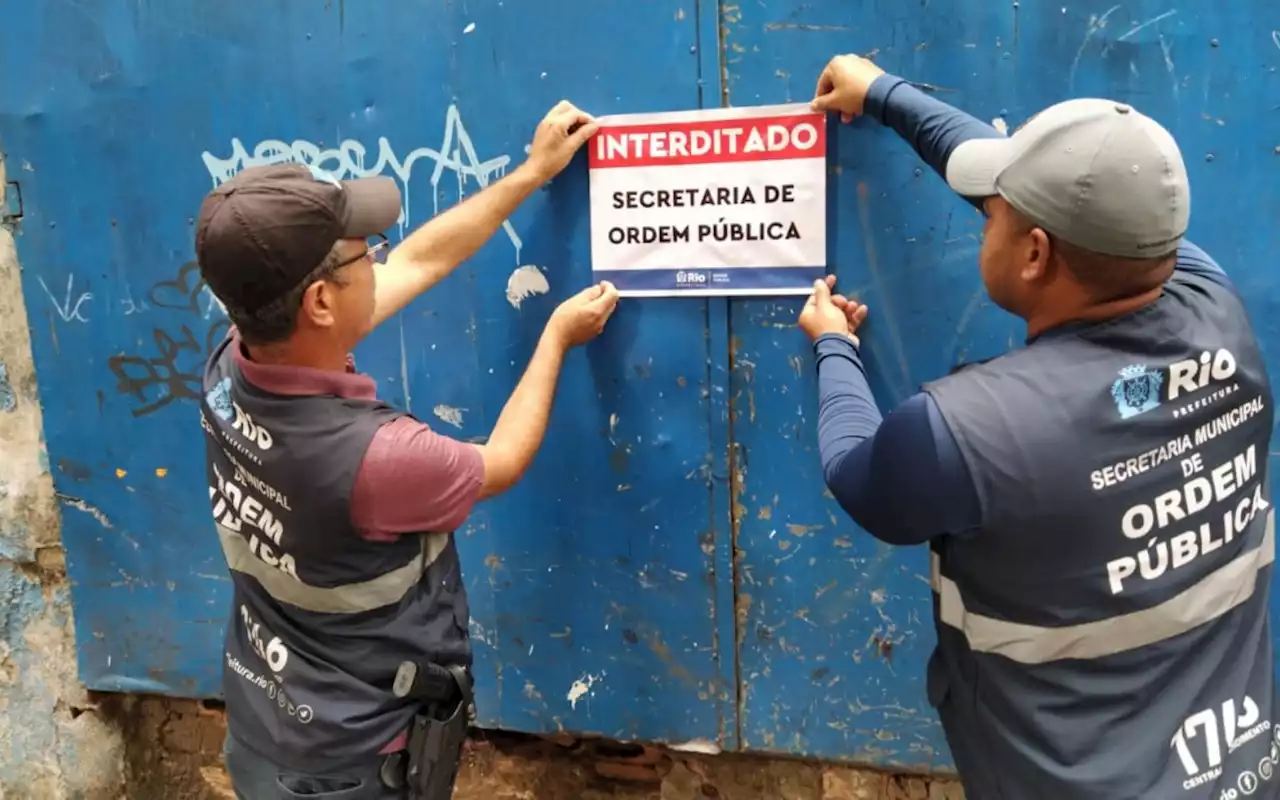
(348, 160)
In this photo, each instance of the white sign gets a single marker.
(726, 201)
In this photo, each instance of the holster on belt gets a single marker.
(436, 737)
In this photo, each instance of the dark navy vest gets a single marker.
(1105, 635)
(322, 617)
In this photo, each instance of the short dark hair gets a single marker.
(1108, 277)
(276, 321)
(1105, 277)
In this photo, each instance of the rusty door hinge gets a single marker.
(11, 207)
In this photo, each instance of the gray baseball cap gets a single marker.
(1095, 173)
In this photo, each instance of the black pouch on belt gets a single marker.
(438, 733)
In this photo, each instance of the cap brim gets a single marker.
(974, 166)
(373, 205)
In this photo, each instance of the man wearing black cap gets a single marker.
(347, 663)
(1097, 503)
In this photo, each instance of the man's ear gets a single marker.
(318, 304)
(1037, 261)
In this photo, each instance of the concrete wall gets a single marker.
(54, 743)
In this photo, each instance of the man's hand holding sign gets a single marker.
(825, 312)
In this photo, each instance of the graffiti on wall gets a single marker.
(169, 369)
(70, 307)
(166, 366)
(456, 154)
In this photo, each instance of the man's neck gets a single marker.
(1040, 323)
(292, 354)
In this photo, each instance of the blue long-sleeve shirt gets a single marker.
(902, 479)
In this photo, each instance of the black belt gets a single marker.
(429, 763)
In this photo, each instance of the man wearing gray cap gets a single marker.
(1096, 503)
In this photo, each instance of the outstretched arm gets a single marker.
(929, 125)
(413, 479)
(434, 250)
(901, 479)
(852, 86)
(523, 422)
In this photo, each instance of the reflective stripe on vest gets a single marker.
(350, 598)
(1209, 598)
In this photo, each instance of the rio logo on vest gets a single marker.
(228, 410)
(1137, 390)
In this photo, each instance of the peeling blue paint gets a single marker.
(32, 694)
(13, 548)
(8, 400)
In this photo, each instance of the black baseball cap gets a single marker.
(260, 234)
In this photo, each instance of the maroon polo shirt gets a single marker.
(411, 480)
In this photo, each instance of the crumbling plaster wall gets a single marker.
(54, 743)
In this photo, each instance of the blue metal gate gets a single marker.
(671, 568)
